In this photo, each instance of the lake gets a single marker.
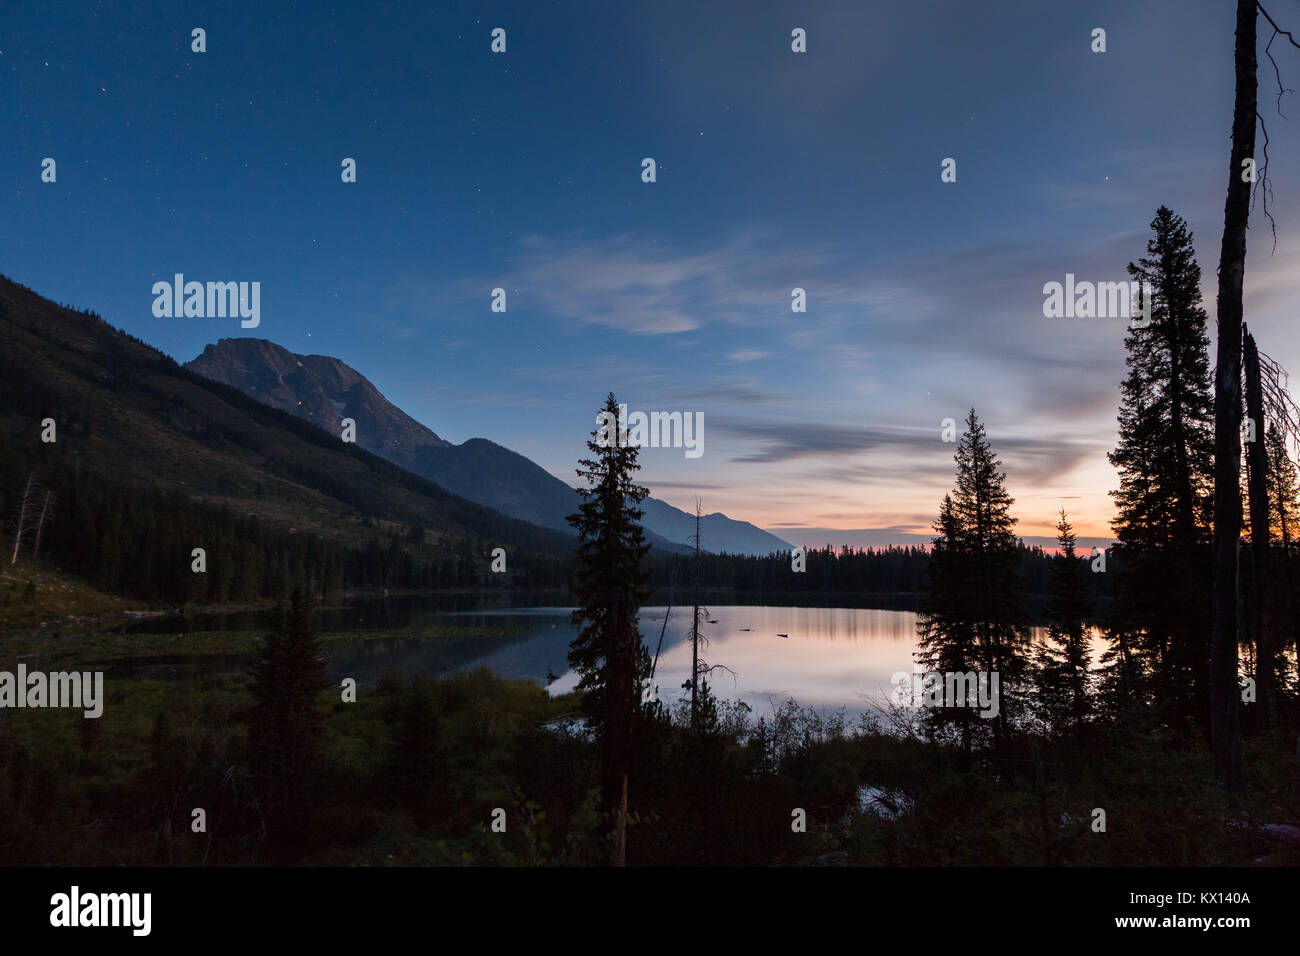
(830, 658)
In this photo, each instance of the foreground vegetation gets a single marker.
(410, 773)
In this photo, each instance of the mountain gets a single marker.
(717, 532)
(129, 414)
(324, 390)
(320, 389)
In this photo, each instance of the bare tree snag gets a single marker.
(1225, 727)
(22, 515)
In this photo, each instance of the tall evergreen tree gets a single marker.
(414, 753)
(288, 676)
(946, 633)
(609, 587)
(1284, 520)
(974, 617)
(1064, 679)
(1283, 489)
(1165, 459)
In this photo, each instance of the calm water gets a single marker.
(831, 658)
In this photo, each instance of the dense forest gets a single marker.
(899, 571)
(138, 542)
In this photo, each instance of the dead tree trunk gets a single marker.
(40, 523)
(1225, 727)
(22, 515)
(1260, 534)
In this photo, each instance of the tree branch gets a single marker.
(1262, 182)
(1277, 29)
(1281, 91)
(1276, 72)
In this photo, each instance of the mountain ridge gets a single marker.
(324, 389)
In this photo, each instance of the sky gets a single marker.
(522, 170)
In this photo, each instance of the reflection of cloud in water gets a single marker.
(832, 658)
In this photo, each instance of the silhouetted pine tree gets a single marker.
(609, 586)
(1283, 489)
(1063, 677)
(1284, 520)
(288, 676)
(1165, 458)
(415, 746)
(974, 617)
(946, 641)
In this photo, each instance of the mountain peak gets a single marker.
(321, 389)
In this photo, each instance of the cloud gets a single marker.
(906, 455)
(742, 392)
(901, 343)
(688, 485)
(789, 440)
(638, 285)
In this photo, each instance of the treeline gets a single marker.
(893, 570)
(140, 542)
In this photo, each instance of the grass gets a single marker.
(33, 595)
(102, 646)
(46, 612)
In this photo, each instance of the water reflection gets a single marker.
(829, 657)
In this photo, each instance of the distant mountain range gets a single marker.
(325, 390)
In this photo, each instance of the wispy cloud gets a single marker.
(637, 285)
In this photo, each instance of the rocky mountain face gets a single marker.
(324, 390)
(319, 389)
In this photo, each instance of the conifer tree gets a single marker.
(946, 640)
(288, 676)
(1284, 519)
(415, 746)
(1283, 489)
(974, 617)
(1165, 462)
(1064, 680)
(609, 587)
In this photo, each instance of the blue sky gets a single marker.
(775, 169)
